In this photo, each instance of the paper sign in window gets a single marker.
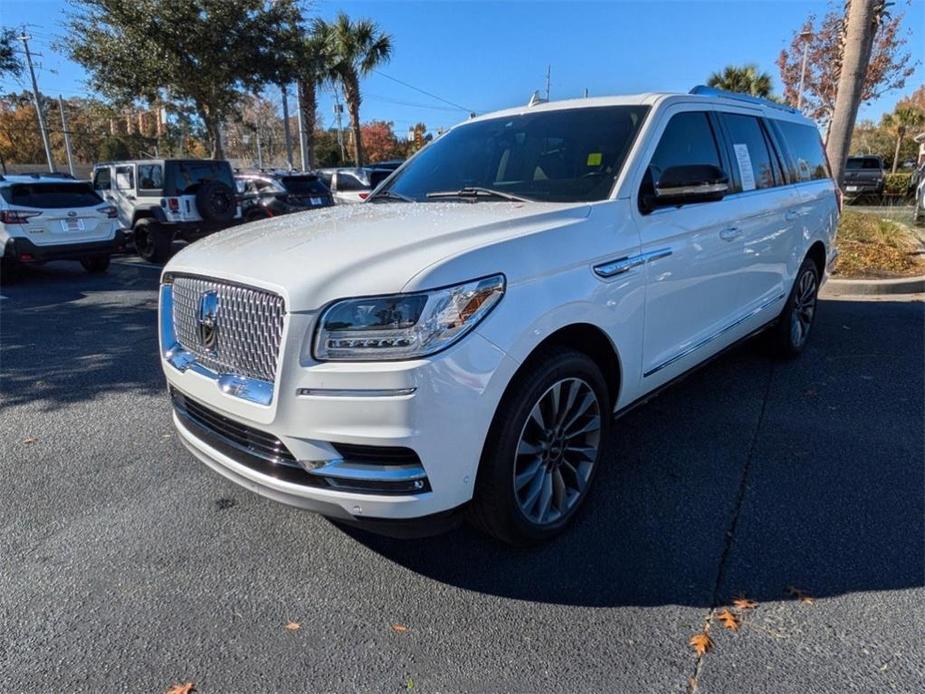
(746, 173)
(594, 159)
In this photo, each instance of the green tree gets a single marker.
(10, 64)
(903, 120)
(745, 79)
(197, 52)
(352, 50)
(114, 149)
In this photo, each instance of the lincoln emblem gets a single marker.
(208, 327)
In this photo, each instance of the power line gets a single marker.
(426, 93)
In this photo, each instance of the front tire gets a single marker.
(543, 449)
(789, 336)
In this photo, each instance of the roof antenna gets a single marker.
(536, 99)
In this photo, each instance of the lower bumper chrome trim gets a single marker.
(354, 392)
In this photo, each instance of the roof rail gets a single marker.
(704, 90)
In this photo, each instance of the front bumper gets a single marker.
(437, 409)
(23, 250)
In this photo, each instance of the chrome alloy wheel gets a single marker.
(557, 450)
(804, 306)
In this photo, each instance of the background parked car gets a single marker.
(54, 217)
(164, 199)
(355, 185)
(864, 176)
(270, 193)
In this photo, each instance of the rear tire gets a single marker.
(543, 449)
(791, 333)
(96, 265)
(152, 241)
(10, 270)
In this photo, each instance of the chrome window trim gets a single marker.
(709, 338)
(234, 385)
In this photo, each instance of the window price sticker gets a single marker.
(744, 160)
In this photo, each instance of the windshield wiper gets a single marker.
(390, 195)
(476, 192)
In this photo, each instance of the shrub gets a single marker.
(898, 184)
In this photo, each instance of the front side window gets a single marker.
(102, 179)
(125, 178)
(569, 155)
(688, 140)
(752, 156)
(805, 147)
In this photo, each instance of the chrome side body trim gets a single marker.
(612, 268)
(709, 338)
(250, 389)
(354, 392)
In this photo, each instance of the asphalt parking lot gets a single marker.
(127, 566)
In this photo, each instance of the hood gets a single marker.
(314, 257)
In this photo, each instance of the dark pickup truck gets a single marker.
(864, 176)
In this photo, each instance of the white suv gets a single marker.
(53, 217)
(463, 340)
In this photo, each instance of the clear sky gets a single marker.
(490, 55)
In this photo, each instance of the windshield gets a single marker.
(185, 177)
(569, 155)
(51, 195)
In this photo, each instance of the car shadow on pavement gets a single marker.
(66, 336)
(750, 477)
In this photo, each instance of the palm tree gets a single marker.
(744, 80)
(311, 72)
(901, 121)
(352, 50)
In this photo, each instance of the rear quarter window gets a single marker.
(804, 146)
(51, 195)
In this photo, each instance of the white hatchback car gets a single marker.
(463, 340)
(53, 217)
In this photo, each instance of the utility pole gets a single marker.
(286, 128)
(806, 36)
(338, 114)
(548, 74)
(67, 137)
(303, 136)
(24, 37)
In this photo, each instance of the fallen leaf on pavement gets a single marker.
(742, 603)
(399, 628)
(701, 642)
(184, 688)
(728, 620)
(29, 440)
(293, 626)
(800, 595)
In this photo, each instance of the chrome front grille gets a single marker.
(248, 325)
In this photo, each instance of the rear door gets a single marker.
(123, 193)
(769, 213)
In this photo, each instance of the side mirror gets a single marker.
(684, 185)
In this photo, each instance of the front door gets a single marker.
(693, 255)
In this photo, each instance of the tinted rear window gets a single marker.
(349, 182)
(185, 177)
(864, 163)
(304, 185)
(804, 145)
(51, 195)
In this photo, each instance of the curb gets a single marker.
(902, 285)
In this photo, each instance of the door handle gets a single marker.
(730, 233)
(791, 215)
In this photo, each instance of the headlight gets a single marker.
(404, 326)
